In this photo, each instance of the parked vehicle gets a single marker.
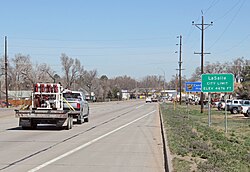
(223, 103)
(4, 104)
(50, 107)
(234, 106)
(244, 107)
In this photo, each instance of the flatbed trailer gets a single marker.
(29, 119)
(46, 108)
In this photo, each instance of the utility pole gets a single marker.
(202, 28)
(164, 81)
(180, 63)
(6, 73)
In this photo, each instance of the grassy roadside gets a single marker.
(196, 147)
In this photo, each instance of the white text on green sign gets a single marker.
(217, 83)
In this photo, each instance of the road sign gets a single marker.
(193, 86)
(217, 82)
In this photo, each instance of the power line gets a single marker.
(227, 27)
(211, 6)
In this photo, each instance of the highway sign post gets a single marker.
(220, 82)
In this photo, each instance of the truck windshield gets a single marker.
(72, 96)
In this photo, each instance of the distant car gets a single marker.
(4, 104)
(148, 100)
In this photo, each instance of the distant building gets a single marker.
(18, 95)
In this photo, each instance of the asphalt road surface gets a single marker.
(119, 137)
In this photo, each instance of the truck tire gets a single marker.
(86, 119)
(80, 121)
(234, 111)
(247, 114)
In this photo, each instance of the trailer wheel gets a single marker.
(33, 125)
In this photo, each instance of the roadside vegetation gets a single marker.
(196, 147)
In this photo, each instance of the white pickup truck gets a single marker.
(244, 107)
(51, 104)
(76, 101)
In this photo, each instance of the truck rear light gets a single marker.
(78, 105)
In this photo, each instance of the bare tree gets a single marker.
(215, 67)
(123, 82)
(104, 81)
(20, 72)
(45, 73)
(236, 68)
(72, 70)
(90, 80)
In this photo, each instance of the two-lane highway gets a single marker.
(120, 136)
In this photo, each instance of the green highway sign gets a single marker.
(221, 82)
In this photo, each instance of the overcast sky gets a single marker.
(126, 37)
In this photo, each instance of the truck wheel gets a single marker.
(245, 114)
(248, 114)
(86, 119)
(234, 111)
(80, 121)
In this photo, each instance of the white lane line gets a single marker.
(87, 144)
(139, 106)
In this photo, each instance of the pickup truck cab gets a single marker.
(76, 101)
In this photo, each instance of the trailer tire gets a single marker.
(33, 125)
